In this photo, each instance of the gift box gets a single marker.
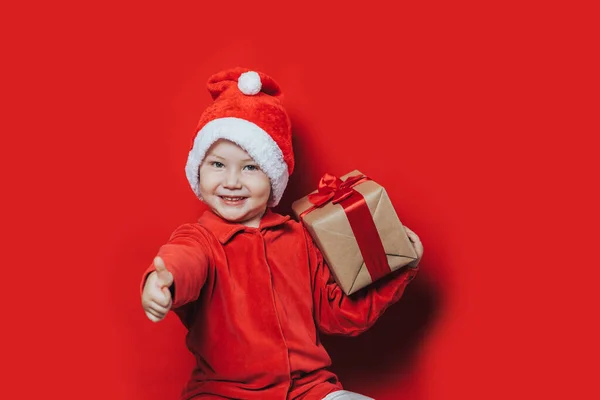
(354, 224)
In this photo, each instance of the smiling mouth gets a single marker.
(233, 200)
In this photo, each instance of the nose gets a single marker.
(232, 180)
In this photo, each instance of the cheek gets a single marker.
(265, 190)
(207, 183)
(261, 188)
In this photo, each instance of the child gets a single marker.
(250, 285)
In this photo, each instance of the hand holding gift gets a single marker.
(354, 224)
(418, 246)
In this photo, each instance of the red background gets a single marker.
(478, 119)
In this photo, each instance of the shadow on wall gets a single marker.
(306, 175)
(390, 348)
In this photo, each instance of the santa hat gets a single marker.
(247, 111)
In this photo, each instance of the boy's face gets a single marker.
(233, 185)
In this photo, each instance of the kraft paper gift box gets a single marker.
(353, 220)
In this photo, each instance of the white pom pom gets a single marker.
(249, 83)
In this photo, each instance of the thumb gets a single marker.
(159, 264)
(165, 278)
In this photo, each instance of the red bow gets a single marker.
(332, 188)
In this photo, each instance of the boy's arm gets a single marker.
(339, 314)
(187, 256)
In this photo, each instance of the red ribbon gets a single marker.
(333, 189)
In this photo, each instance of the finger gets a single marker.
(152, 317)
(165, 278)
(158, 308)
(155, 295)
(411, 235)
(418, 247)
(163, 302)
(163, 298)
(155, 313)
(167, 293)
(416, 241)
(159, 264)
(409, 231)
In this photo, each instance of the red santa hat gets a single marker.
(246, 110)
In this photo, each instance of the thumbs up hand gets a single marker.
(156, 296)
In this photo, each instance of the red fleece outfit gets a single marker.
(252, 300)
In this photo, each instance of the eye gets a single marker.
(251, 168)
(217, 164)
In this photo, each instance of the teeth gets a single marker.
(232, 198)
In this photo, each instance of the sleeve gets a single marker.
(187, 255)
(339, 314)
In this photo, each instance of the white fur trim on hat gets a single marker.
(254, 140)
(249, 83)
